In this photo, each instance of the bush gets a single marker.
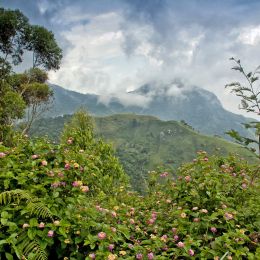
(71, 201)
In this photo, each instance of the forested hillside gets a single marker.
(143, 143)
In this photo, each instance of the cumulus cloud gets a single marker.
(111, 47)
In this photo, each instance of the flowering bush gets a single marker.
(72, 201)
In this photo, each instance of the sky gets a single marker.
(114, 46)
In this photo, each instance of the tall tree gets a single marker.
(28, 91)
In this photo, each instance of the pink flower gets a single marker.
(111, 247)
(191, 252)
(187, 178)
(174, 230)
(132, 221)
(180, 244)
(2, 155)
(44, 163)
(34, 156)
(50, 233)
(176, 238)
(244, 185)
(164, 174)
(204, 211)
(92, 256)
(154, 215)
(206, 159)
(228, 216)
(164, 238)
(41, 225)
(139, 256)
(76, 183)
(67, 166)
(102, 235)
(196, 220)
(213, 229)
(60, 174)
(150, 256)
(113, 229)
(113, 213)
(150, 221)
(26, 225)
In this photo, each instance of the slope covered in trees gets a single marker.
(143, 143)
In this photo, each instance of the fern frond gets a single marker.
(39, 209)
(33, 246)
(7, 197)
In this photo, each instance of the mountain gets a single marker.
(197, 107)
(143, 143)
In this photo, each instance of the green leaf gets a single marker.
(9, 256)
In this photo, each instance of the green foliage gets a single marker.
(19, 91)
(210, 209)
(250, 102)
(143, 143)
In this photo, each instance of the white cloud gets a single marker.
(250, 35)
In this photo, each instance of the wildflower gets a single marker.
(92, 256)
(196, 220)
(41, 225)
(77, 232)
(244, 185)
(206, 159)
(132, 221)
(183, 215)
(44, 163)
(111, 257)
(191, 252)
(56, 222)
(195, 208)
(113, 214)
(67, 166)
(84, 188)
(164, 174)
(50, 233)
(139, 256)
(204, 211)
(116, 208)
(26, 225)
(213, 229)
(174, 230)
(70, 140)
(164, 238)
(34, 156)
(102, 235)
(187, 178)
(60, 174)
(224, 206)
(154, 215)
(76, 183)
(176, 238)
(168, 201)
(180, 244)
(76, 165)
(122, 252)
(67, 241)
(111, 247)
(113, 229)
(228, 216)
(150, 221)
(150, 256)
(55, 184)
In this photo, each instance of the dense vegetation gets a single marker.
(71, 201)
(143, 143)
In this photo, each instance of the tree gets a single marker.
(249, 93)
(29, 89)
